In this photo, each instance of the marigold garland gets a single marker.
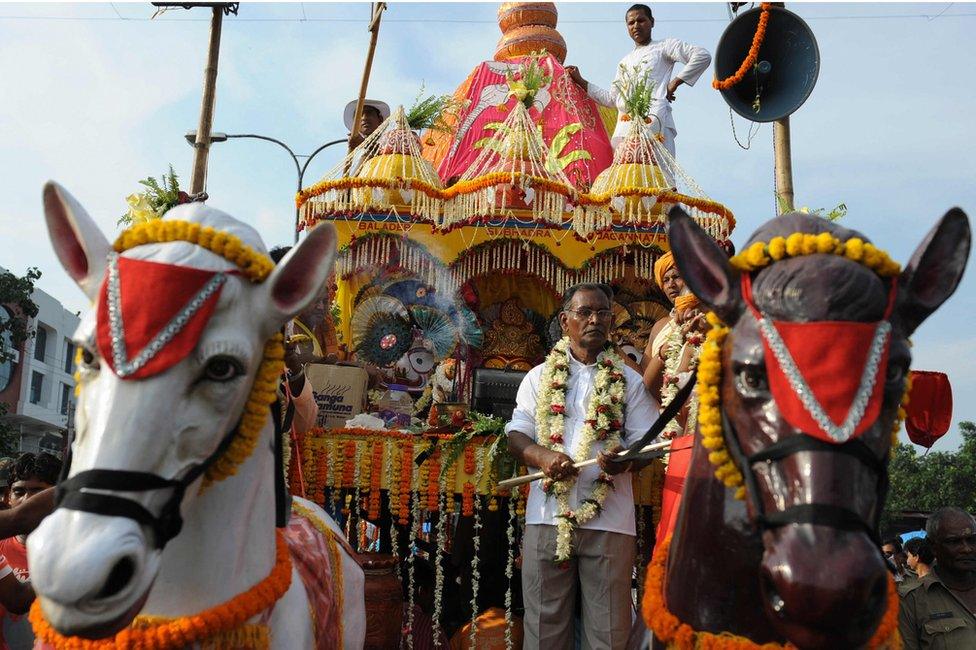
(186, 630)
(406, 482)
(675, 634)
(759, 254)
(750, 60)
(755, 257)
(255, 267)
(433, 482)
(520, 179)
(375, 482)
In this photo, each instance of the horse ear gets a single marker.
(704, 266)
(301, 274)
(79, 244)
(935, 269)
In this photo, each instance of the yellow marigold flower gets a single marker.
(713, 319)
(755, 255)
(712, 443)
(809, 246)
(826, 243)
(794, 244)
(854, 249)
(718, 457)
(777, 248)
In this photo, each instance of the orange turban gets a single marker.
(661, 266)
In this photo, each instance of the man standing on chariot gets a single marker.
(582, 402)
(656, 60)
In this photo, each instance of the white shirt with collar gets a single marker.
(657, 59)
(640, 412)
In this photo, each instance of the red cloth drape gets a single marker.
(929, 407)
(674, 483)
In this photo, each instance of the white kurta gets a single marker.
(640, 412)
(657, 59)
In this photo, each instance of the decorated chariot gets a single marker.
(445, 242)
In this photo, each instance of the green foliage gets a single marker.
(15, 293)
(429, 112)
(528, 78)
(836, 214)
(158, 197)
(493, 430)
(933, 480)
(637, 91)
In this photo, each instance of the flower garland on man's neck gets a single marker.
(754, 258)
(674, 347)
(603, 423)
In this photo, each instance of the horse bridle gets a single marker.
(820, 514)
(71, 492)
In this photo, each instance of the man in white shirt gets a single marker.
(656, 59)
(602, 556)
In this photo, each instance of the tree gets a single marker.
(933, 480)
(15, 295)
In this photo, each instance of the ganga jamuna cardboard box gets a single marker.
(339, 392)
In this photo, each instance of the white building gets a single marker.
(38, 384)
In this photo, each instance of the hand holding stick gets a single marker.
(528, 478)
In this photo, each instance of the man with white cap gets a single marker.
(374, 112)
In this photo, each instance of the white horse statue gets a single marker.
(168, 511)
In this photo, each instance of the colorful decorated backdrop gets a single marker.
(571, 124)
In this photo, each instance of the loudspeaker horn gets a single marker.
(785, 71)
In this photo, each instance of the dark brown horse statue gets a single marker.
(797, 559)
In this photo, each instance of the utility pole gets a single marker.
(202, 145)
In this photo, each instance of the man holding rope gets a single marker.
(582, 402)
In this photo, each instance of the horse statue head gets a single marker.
(179, 362)
(801, 381)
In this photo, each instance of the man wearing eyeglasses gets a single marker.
(602, 547)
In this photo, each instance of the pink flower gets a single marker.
(559, 409)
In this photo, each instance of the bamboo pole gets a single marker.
(202, 144)
(374, 29)
(784, 164)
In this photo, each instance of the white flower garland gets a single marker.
(509, 572)
(479, 457)
(441, 547)
(603, 422)
(674, 347)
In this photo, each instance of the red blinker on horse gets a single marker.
(804, 391)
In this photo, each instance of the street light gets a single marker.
(191, 137)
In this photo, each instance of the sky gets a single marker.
(98, 96)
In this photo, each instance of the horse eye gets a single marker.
(753, 379)
(223, 369)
